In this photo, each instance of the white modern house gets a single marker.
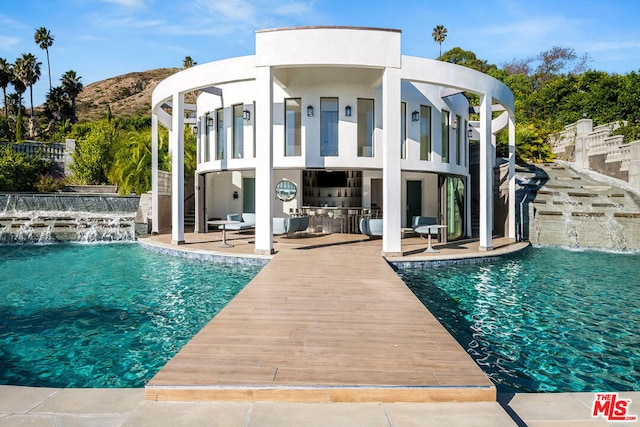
(338, 120)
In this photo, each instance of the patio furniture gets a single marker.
(223, 224)
(419, 221)
(428, 230)
(371, 227)
(243, 221)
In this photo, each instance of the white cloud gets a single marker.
(607, 46)
(7, 43)
(253, 14)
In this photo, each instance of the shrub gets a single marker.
(20, 172)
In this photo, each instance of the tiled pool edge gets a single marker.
(201, 255)
(449, 260)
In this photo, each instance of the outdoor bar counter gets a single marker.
(336, 219)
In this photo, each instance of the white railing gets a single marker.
(591, 141)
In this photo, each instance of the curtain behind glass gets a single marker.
(329, 126)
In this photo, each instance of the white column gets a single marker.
(391, 172)
(264, 161)
(155, 216)
(467, 198)
(176, 142)
(199, 139)
(512, 178)
(486, 175)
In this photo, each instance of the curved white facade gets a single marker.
(331, 99)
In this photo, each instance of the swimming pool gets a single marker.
(102, 315)
(544, 320)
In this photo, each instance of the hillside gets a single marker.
(128, 95)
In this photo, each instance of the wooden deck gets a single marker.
(326, 320)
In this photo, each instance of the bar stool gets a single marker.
(321, 215)
(352, 220)
(312, 220)
(340, 215)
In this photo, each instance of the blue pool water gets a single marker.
(545, 320)
(105, 315)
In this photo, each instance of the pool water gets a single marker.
(102, 315)
(544, 320)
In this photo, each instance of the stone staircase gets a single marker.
(572, 208)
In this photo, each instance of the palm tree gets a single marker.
(439, 34)
(6, 72)
(27, 70)
(16, 98)
(72, 86)
(188, 62)
(44, 39)
(56, 103)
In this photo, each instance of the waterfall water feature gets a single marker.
(35, 218)
(576, 211)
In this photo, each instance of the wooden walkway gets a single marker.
(323, 323)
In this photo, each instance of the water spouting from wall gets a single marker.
(43, 219)
(577, 211)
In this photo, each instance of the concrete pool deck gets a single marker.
(48, 407)
(131, 407)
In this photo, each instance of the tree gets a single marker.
(131, 167)
(6, 72)
(188, 62)
(19, 135)
(72, 87)
(557, 60)
(27, 70)
(439, 34)
(44, 39)
(518, 66)
(91, 158)
(56, 103)
(466, 58)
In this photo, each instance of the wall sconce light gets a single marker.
(209, 121)
(310, 111)
(194, 130)
(235, 195)
(470, 132)
(454, 123)
(246, 115)
(415, 116)
(347, 111)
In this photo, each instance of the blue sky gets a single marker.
(104, 38)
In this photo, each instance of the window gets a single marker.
(208, 123)
(238, 132)
(220, 134)
(445, 136)
(459, 130)
(328, 126)
(403, 130)
(365, 127)
(292, 127)
(465, 139)
(425, 133)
